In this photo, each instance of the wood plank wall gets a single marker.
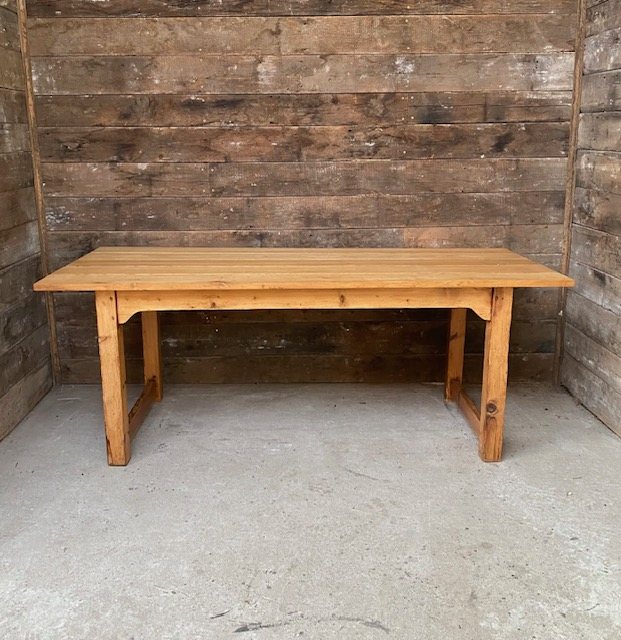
(309, 123)
(25, 373)
(592, 362)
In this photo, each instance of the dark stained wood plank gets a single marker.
(19, 243)
(12, 107)
(599, 171)
(21, 319)
(598, 286)
(599, 397)
(16, 281)
(329, 212)
(300, 144)
(520, 238)
(379, 109)
(11, 73)
(14, 138)
(601, 92)
(9, 33)
(597, 249)
(600, 131)
(358, 35)
(602, 51)
(17, 207)
(603, 16)
(590, 319)
(163, 8)
(15, 171)
(22, 397)
(301, 73)
(598, 210)
(332, 336)
(303, 179)
(23, 358)
(595, 356)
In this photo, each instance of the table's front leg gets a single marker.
(113, 378)
(495, 367)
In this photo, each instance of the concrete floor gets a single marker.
(313, 511)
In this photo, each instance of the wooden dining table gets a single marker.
(147, 280)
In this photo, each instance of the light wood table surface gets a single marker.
(145, 280)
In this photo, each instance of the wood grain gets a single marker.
(163, 8)
(302, 109)
(301, 73)
(309, 35)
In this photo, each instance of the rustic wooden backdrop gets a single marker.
(25, 372)
(309, 123)
(592, 361)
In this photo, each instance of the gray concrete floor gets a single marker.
(313, 511)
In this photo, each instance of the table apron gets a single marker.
(477, 299)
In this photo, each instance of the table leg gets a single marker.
(495, 366)
(113, 379)
(455, 354)
(152, 352)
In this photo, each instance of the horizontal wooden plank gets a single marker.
(297, 369)
(597, 249)
(601, 91)
(23, 358)
(379, 109)
(303, 179)
(329, 212)
(597, 396)
(16, 281)
(22, 398)
(12, 106)
(598, 210)
(9, 32)
(600, 131)
(598, 359)
(309, 35)
(15, 171)
(11, 72)
(529, 239)
(15, 138)
(301, 144)
(601, 325)
(18, 243)
(598, 286)
(520, 238)
(599, 171)
(603, 16)
(163, 8)
(21, 319)
(17, 207)
(352, 338)
(301, 73)
(602, 51)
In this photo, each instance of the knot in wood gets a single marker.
(491, 408)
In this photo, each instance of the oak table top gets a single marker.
(192, 268)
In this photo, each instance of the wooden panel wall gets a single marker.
(309, 123)
(25, 374)
(592, 362)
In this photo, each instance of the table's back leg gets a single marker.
(152, 351)
(495, 367)
(113, 379)
(455, 354)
